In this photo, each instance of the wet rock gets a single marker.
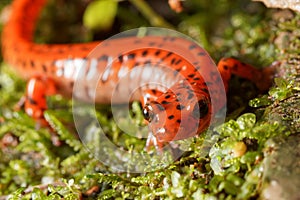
(291, 4)
(282, 169)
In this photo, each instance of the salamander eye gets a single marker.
(148, 113)
(201, 108)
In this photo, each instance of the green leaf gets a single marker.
(246, 121)
(99, 15)
(261, 101)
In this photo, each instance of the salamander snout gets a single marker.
(177, 120)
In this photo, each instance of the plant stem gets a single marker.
(150, 14)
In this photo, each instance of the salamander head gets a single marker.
(173, 119)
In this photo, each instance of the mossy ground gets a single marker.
(230, 169)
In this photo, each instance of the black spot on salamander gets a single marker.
(147, 62)
(32, 101)
(157, 52)
(144, 53)
(204, 90)
(131, 56)
(191, 75)
(166, 56)
(117, 88)
(120, 58)
(154, 91)
(201, 54)
(196, 78)
(193, 46)
(178, 62)
(160, 107)
(171, 117)
(168, 38)
(42, 110)
(32, 64)
(165, 38)
(84, 48)
(44, 67)
(164, 102)
(70, 46)
(71, 84)
(178, 69)
(151, 44)
(168, 96)
(178, 121)
(180, 107)
(225, 67)
(190, 95)
(203, 84)
(103, 58)
(60, 51)
(173, 61)
(137, 41)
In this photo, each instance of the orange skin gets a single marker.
(180, 111)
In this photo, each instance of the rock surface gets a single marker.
(291, 4)
(282, 169)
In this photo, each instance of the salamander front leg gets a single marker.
(37, 89)
(152, 141)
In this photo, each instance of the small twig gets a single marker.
(148, 12)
